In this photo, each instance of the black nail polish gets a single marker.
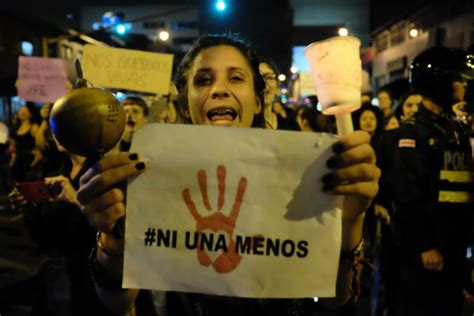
(332, 162)
(329, 178)
(140, 166)
(338, 148)
(328, 187)
(133, 156)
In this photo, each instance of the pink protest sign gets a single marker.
(42, 79)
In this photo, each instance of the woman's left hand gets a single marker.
(67, 194)
(354, 173)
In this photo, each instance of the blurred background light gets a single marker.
(120, 29)
(27, 48)
(413, 32)
(343, 31)
(221, 5)
(164, 35)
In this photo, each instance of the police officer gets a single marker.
(433, 187)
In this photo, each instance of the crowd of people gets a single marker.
(408, 194)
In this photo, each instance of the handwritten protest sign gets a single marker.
(232, 211)
(42, 79)
(127, 69)
(3, 133)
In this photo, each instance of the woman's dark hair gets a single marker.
(271, 63)
(399, 107)
(212, 40)
(389, 92)
(374, 109)
(34, 112)
(388, 118)
(317, 121)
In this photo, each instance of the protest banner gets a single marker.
(232, 211)
(42, 79)
(127, 69)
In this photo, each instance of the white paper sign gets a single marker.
(232, 211)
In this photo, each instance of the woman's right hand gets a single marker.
(100, 194)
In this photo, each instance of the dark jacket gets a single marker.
(433, 187)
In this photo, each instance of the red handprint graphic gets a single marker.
(227, 261)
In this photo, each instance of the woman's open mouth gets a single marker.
(222, 116)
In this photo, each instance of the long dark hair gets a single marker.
(212, 40)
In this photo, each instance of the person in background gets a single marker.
(136, 113)
(311, 120)
(385, 99)
(433, 188)
(368, 118)
(366, 98)
(408, 106)
(52, 157)
(391, 122)
(270, 72)
(170, 114)
(220, 70)
(23, 138)
(62, 234)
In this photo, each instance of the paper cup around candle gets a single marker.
(336, 68)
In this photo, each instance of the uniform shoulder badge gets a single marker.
(407, 143)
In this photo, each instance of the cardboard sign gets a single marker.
(3, 133)
(232, 211)
(127, 69)
(42, 79)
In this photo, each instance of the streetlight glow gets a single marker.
(413, 32)
(282, 77)
(164, 35)
(343, 31)
(293, 70)
(120, 29)
(220, 5)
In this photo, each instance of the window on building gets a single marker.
(382, 41)
(183, 26)
(153, 24)
(397, 33)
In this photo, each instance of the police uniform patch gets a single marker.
(407, 143)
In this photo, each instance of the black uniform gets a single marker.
(433, 198)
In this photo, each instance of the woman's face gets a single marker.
(385, 102)
(410, 106)
(220, 87)
(271, 83)
(45, 109)
(24, 113)
(368, 122)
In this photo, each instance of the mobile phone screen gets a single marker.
(34, 190)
